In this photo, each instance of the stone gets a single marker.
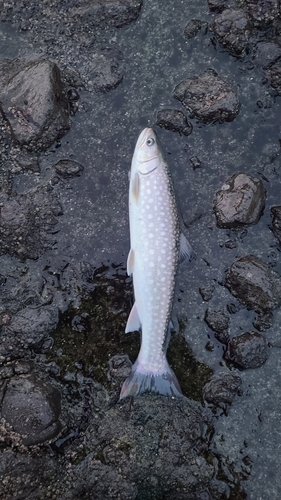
(266, 54)
(173, 119)
(209, 97)
(248, 350)
(193, 28)
(100, 13)
(33, 102)
(105, 69)
(274, 75)
(275, 227)
(240, 201)
(32, 407)
(216, 319)
(68, 168)
(254, 284)
(222, 388)
(232, 29)
(261, 11)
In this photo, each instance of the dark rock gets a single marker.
(25, 221)
(254, 283)
(217, 5)
(68, 168)
(193, 27)
(98, 13)
(33, 102)
(28, 328)
(173, 119)
(261, 11)
(32, 407)
(222, 388)
(275, 227)
(263, 322)
(120, 367)
(240, 202)
(266, 54)
(209, 97)
(195, 162)
(216, 319)
(232, 29)
(274, 75)
(232, 308)
(106, 69)
(247, 350)
(206, 292)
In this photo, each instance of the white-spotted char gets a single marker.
(156, 247)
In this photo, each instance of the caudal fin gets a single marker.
(140, 382)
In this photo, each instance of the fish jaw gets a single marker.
(147, 154)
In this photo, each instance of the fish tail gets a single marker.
(140, 381)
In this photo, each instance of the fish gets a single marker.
(157, 247)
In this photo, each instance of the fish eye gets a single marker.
(150, 141)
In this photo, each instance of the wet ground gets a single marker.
(66, 298)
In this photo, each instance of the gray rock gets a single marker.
(254, 283)
(195, 162)
(263, 322)
(193, 28)
(240, 202)
(261, 11)
(68, 168)
(266, 54)
(222, 388)
(274, 75)
(32, 407)
(173, 119)
(248, 350)
(98, 13)
(232, 29)
(106, 69)
(206, 292)
(33, 102)
(209, 97)
(218, 321)
(275, 227)
(217, 5)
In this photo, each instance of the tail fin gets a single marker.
(140, 382)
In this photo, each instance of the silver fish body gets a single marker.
(156, 244)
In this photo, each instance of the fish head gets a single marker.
(147, 154)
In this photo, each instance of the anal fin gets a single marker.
(130, 262)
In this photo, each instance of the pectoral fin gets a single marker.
(133, 323)
(186, 250)
(130, 262)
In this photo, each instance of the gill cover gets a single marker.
(147, 155)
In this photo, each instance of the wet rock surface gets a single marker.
(223, 388)
(232, 29)
(261, 11)
(209, 97)
(275, 77)
(173, 119)
(254, 283)
(248, 350)
(240, 202)
(106, 69)
(33, 102)
(32, 408)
